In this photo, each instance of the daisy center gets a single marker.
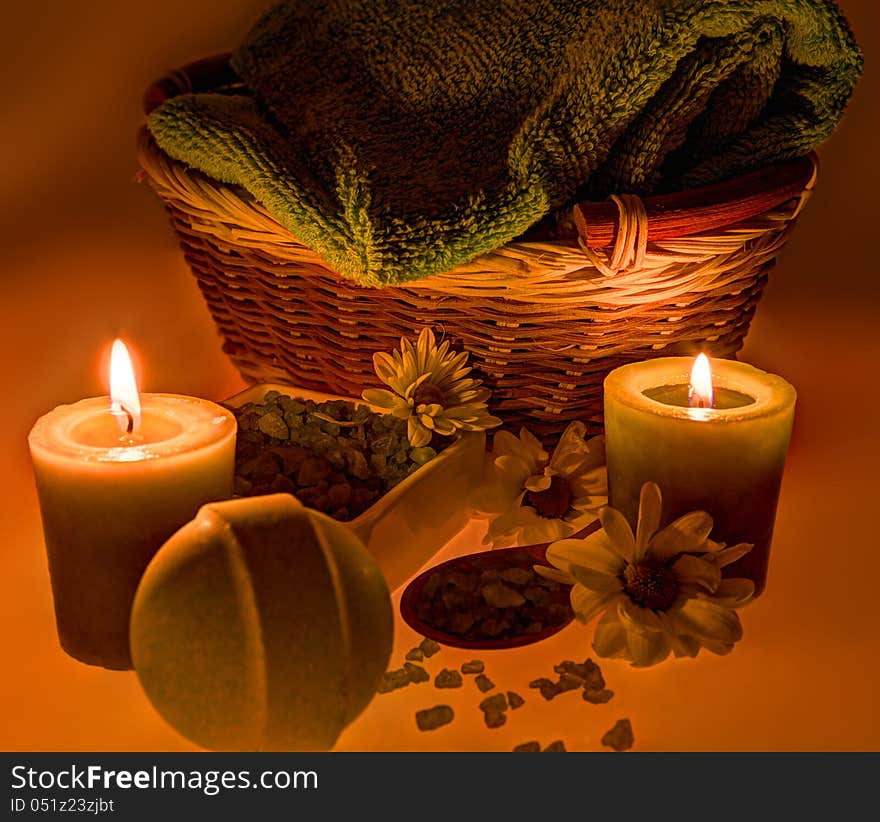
(650, 584)
(428, 394)
(553, 502)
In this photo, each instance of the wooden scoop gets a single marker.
(500, 558)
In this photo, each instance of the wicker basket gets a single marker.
(545, 317)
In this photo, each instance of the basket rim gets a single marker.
(669, 215)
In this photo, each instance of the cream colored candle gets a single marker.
(725, 457)
(111, 496)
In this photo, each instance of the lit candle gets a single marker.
(115, 478)
(714, 438)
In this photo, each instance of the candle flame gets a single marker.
(125, 402)
(700, 393)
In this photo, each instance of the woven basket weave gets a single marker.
(545, 317)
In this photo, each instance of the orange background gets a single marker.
(87, 255)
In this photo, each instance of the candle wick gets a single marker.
(118, 410)
(697, 400)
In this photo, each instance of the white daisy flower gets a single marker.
(430, 388)
(529, 496)
(658, 590)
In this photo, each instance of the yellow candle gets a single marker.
(718, 447)
(115, 478)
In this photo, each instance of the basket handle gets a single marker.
(597, 225)
(209, 74)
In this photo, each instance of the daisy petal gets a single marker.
(425, 343)
(619, 533)
(503, 530)
(497, 494)
(588, 505)
(417, 434)
(532, 444)
(726, 556)
(571, 449)
(465, 412)
(505, 444)
(593, 552)
(444, 427)
(697, 571)
(587, 458)
(513, 467)
(541, 529)
(646, 649)
(586, 509)
(380, 397)
(636, 618)
(538, 483)
(385, 367)
(593, 483)
(479, 423)
(574, 455)
(595, 580)
(686, 535)
(734, 593)
(683, 645)
(650, 509)
(716, 647)
(609, 640)
(588, 604)
(707, 620)
(416, 383)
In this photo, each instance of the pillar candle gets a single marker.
(725, 457)
(109, 498)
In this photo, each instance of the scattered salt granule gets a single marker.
(428, 647)
(555, 747)
(496, 702)
(547, 687)
(594, 679)
(415, 673)
(494, 719)
(620, 737)
(597, 697)
(568, 682)
(475, 666)
(484, 683)
(493, 708)
(432, 718)
(448, 679)
(528, 747)
(392, 680)
(587, 671)
(515, 700)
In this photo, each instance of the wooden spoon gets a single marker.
(500, 558)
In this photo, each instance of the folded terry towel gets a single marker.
(399, 138)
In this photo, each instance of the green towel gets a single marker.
(400, 138)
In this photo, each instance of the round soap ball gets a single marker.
(261, 625)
